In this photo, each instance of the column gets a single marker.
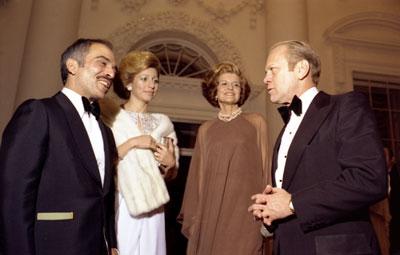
(53, 26)
(285, 20)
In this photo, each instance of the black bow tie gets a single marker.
(286, 111)
(92, 108)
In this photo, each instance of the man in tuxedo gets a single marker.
(328, 165)
(57, 162)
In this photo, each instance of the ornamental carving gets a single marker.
(177, 2)
(367, 31)
(383, 26)
(175, 22)
(143, 26)
(221, 10)
(132, 5)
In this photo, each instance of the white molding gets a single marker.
(220, 10)
(149, 25)
(363, 42)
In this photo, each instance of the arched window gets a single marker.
(180, 60)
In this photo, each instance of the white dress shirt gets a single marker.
(290, 132)
(92, 128)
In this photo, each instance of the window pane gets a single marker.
(397, 152)
(382, 118)
(394, 95)
(384, 92)
(186, 133)
(379, 98)
(396, 125)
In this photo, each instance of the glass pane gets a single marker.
(382, 118)
(396, 125)
(178, 60)
(379, 98)
(397, 152)
(394, 95)
(186, 133)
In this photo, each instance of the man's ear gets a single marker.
(72, 66)
(302, 69)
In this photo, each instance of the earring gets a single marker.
(216, 98)
(129, 87)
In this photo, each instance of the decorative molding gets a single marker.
(181, 83)
(223, 10)
(149, 25)
(176, 22)
(148, 28)
(177, 2)
(349, 30)
(363, 32)
(132, 5)
(192, 85)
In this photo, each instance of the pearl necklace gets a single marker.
(229, 117)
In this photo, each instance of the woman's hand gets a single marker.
(140, 142)
(165, 155)
(144, 142)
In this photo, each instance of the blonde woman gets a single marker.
(148, 152)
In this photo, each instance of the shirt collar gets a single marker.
(75, 99)
(307, 97)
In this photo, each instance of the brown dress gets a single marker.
(229, 164)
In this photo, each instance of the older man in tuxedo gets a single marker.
(57, 164)
(328, 163)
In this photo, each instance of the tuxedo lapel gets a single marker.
(81, 140)
(315, 116)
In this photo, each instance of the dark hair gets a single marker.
(78, 51)
(297, 51)
(210, 83)
(133, 63)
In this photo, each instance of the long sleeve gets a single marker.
(261, 128)
(264, 147)
(192, 193)
(22, 153)
(352, 173)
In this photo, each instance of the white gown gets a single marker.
(140, 233)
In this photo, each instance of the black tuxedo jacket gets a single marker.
(335, 170)
(51, 197)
